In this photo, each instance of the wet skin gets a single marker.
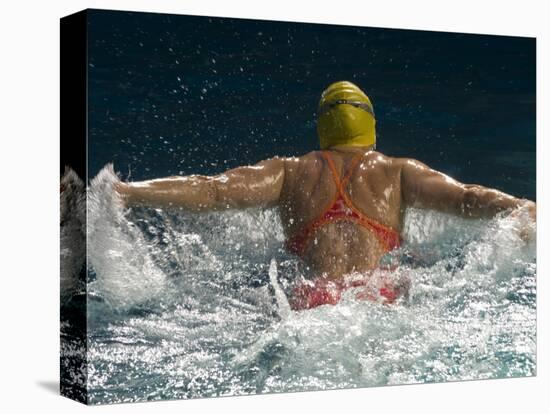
(381, 187)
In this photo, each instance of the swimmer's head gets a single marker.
(345, 117)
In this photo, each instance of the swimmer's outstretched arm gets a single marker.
(259, 185)
(424, 187)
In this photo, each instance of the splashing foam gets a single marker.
(117, 252)
(222, 326)
(72, 233)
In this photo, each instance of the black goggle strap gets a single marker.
(329, 105)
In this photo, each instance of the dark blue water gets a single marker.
(179, 94)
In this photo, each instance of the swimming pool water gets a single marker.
(184, 306)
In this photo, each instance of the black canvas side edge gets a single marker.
(73, 156)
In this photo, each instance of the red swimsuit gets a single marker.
(340, 208)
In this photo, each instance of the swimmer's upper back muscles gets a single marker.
(341, 207)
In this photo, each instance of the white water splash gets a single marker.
(72, 234)
(214, 328)
(282, 302)
(117, 252)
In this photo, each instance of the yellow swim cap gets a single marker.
(345, 117)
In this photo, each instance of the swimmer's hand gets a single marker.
(526, 217)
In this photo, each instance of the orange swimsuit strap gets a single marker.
(342, 208)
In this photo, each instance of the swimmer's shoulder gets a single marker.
(295, 163)
(379, 160)
(391, 166)
(308, 164)
(403, 162)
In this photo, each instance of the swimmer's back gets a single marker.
(374, 188)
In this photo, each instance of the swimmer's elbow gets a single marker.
(479, 201)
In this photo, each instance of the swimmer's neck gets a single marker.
(352, 149)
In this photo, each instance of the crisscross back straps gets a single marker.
(341, 184)
(387, 236)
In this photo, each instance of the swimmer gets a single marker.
(342, 207)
